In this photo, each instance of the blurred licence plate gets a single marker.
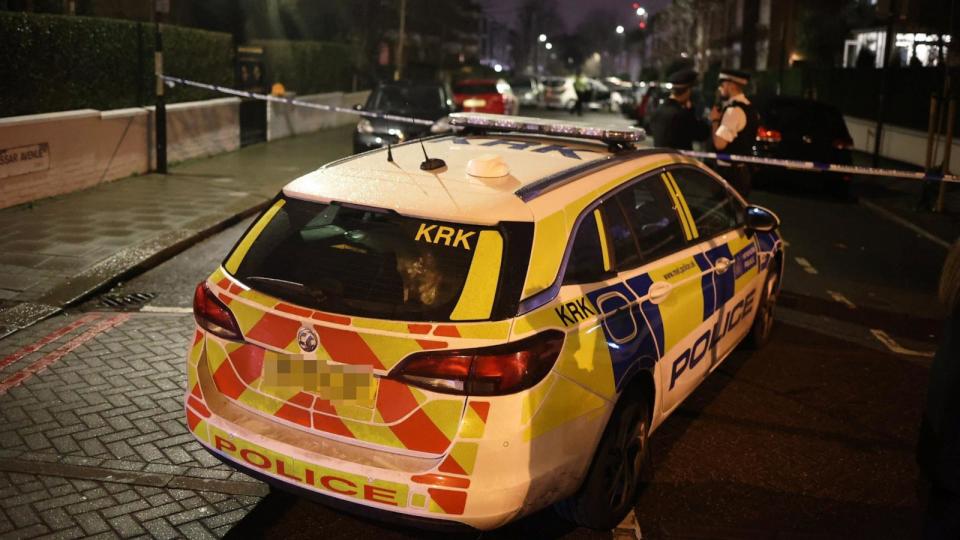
(337, 383)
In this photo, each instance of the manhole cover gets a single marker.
(127, 301)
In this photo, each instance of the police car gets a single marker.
(464, 330)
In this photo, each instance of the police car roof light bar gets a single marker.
(610, 135)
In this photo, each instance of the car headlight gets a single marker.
(441, 126)
(364, 126)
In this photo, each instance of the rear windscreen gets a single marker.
(474, 89)
(372, 263)
(407, 98)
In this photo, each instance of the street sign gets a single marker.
(24, 159)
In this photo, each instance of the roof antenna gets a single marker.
(389, 152)
(430, 164)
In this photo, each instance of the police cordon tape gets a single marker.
(293, 101)
(823, 167)
(771, 162)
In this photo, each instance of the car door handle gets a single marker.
(721, 265)
(659, 291)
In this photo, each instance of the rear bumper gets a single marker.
(359, 510)
(509, 479)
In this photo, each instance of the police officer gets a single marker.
(674, 123)
(581, 87)
(734, 125)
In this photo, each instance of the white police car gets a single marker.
(467, 339)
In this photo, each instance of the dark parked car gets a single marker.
(807, 130)
(429, 101)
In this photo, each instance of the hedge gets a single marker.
(307, 67)
(55, 62)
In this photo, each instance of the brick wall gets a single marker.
(88, 147)
(286, 120)
(899, 143)
(200, 128)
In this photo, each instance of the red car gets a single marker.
(485, 95)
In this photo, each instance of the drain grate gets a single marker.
(127, 301)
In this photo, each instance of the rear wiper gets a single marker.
(291, 286)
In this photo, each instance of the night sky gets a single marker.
(572, 11)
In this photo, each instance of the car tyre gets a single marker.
(620, 466)
(763, 320)
(949, 290)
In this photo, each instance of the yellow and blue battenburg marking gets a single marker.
(680, 205)
(630, 343)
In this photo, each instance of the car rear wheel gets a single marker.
(620, 465)
(950, 280)
(763, 321)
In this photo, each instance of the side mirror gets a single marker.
(760, 219)
(358, 107)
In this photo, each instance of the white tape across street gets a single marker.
(772, 162)
(293, 101)
(824, 167)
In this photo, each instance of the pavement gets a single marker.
(97, 446)
(59, 251)
(900, 200)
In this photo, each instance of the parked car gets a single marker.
(485, 95)
(807, 130)
(598, 96)
(470, 343)
(528, 90)
(430, 101)
(558, 93)
(622, 93)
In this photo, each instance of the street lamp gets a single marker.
(542, 38)
(549, 45)
(619, 60)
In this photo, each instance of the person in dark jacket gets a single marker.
(938, 448)
(675, 124)
(735, 122)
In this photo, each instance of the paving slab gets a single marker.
(58, 251)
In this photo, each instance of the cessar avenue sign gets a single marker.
(24, 159)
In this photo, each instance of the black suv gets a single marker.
(806, 130)
(424, 100)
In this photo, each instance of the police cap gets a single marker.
(735, 76)
(683, 79)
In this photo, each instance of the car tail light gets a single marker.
(213, 315)
(843, 143)
(488, 371)
(768, 135)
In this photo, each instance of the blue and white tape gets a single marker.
(772, 162)
(824, 167)
(293, 101)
